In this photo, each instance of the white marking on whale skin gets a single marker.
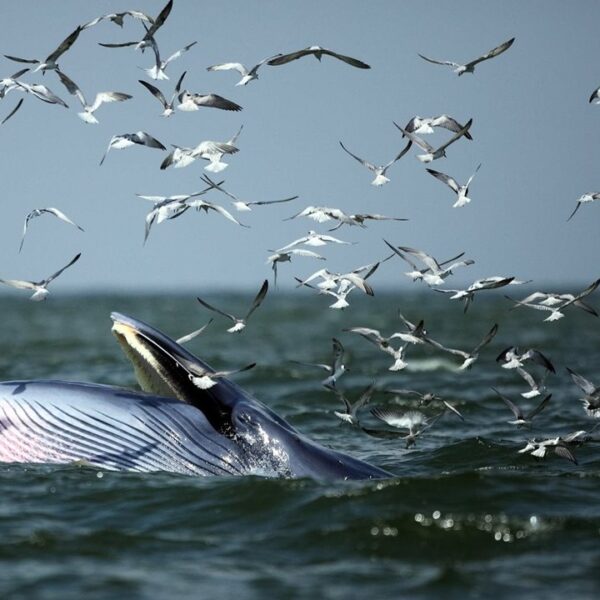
(269, 458)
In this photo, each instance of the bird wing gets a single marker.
(399, 155)
(447, 63)
(239, 67)
(372, 335)
(401, 255)
(191, 336)
(64, 45)
(264, 288)
(309, 253)
(364, 397)
(416, 139)
(224, 212)
(489, 336)
(527, 377)
(106, 97)
(55, 275)
(587, 387)
(457, 135)
(539, 408)
(12, 112)
(537, 357)
(493, 52)
(338, 355)
(159, 21)
(217, 310)
(449, 181)
(363, 162)
(61, 215)
(516, 411)
(32, 61)
(177, 54)
(262, 202)
(447, 122)
(72, 87)
(427, 260)
(359, 64)
(155, 92)
(215, 101)
(20, 285)
(282, 59)
(472, 176)
(588, 290)
(141, 137)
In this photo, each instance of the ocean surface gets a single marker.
(466, 515)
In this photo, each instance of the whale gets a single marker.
(170, 425)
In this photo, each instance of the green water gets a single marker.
(466, 516)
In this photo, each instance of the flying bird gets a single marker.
(157, 71)
(119, 18)
(523, 419)
(585, 199)
(38, 212)
(335, 369)
(426, 399)
(318, 52)
(280, 257)
(205, 379)
(240, 324)
(460, 190)
(416, 423)
(470, 66)
(489, 283)
(431, 152)
(425, 125)
(39, 288)
(155, 25)
(313, 239)
(190, 336)
(41, 92)
(351, 408)
(125, 140)
(49, 63)
(380, 171)
(168, 107)
(591, 398)
(89, 109)
(248, 75)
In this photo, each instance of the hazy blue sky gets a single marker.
(533, 130)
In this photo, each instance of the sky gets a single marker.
(534, 133)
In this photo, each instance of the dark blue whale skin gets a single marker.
(220, 431)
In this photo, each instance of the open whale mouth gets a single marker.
(164, 368)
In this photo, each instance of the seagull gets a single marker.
(189, 102)
(280, 257)
(38, 212)
(39, 288)
(148, 39)
(490, 283)
(556, 303)
(354, 278)
(340, 295)
(317, 52)
(470, 66)
(125, 140)
(168, 107)
(591, 398)
(41, 92)
(426, 399)
(11, 83)
(431, 152)
(468, 357)
(433, 273)
(351, 409)
(540, 449)
(241, 205)
(89, 109)
(248, 75)
(460, 190)
(190, 336)
(536, 387)
(413, 420)
(49, 63)
(521, 419)
(586, 198)
(314, 239)
(158, 70)
(595, 97)
(207, 150)
(322, 214)
(384, 344)
(118, 18)
(337, 367)
(205, 379)
(379, 171)
(240, 324)
(425, 125)
(512, 358)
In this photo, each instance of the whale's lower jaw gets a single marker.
(115, 429)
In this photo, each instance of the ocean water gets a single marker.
(466, 515)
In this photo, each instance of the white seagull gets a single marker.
(280, 257)
(39, 288)
(38, 212)
(490, 283)
(41, 92)
(470, 66)
(240, 324)
(158, 70)
(591, 398)
(168, 107)
(125, 140)
(380, 171)
(523, 419)
(248, 75)
(425, 125)
(431, 152)
(416, 423)
(317, 52)
(585, 199)
(460, 190)
(119, 18)
(208, 150)
(351, 408)
(313, 239)
(89, 109)
(337, 367)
